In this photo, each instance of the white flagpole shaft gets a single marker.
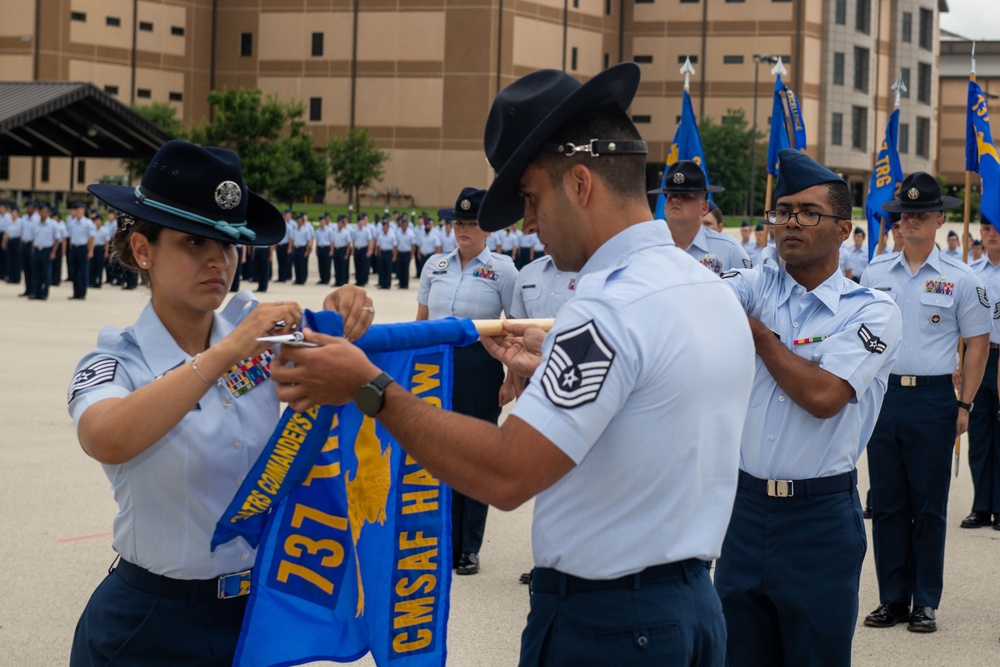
(495, 327)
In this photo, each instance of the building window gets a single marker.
(645, 60)
(907, 27)
(175, 96)
(904, 76)
(315, 109)
(837, 129)
(111, 90)
(317, 44)
(903, 140)
(734, 120)
(840, 12)
(4, 167)
(643, 2)
(78, 16)
(81, 171)
(924, 137)
(113, 22)
(735, 0)
(691, 1)
(732, 60)
(177, 31)
(859, 127)
(576, 4)
(572, 58)
(45, 170)
(146, 26)
(927, 29)
(861, 69)
(863, 16)
(681, 58)
(924, 83)
(144, 93)
(607, 7)
(607, 61)
(246, 44)
(642, 119)
(838, 69)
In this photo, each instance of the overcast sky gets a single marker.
(975, 19)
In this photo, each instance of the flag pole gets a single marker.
(495, 327)
(965, 257)
(899, 88)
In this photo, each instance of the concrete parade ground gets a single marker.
(55, 530)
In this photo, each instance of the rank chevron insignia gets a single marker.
(872, 342)
(578, 364)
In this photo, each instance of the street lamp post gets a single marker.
(757, 60)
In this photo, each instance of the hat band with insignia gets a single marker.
(597, 148)
(233, 229)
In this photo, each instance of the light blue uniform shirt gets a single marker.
(324, 235)
(81, 230)
(509, 240)
(955, 254)
(448, 242)
(541, 289)
(301, 236)
(944, 300)
(28, 233)
(171, 495)
(62, 232)
(428, 241)
(385, 240)
(990, 275)
(103, 234)
(45, 233)
(405, 239)
(656, 445)
(481, 290)
(361, 236)
(15, 227)
(855, 259)
(718, 252)
(752, 250)
(780, 439)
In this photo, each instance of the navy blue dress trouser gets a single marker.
(79, 270)
(301, 264)
(909, 463)
(340, 266)
(41, 272)
(323, 263)
(403, 268)
(984, 441)
(788, 579)
(674, 623)
(362, 268)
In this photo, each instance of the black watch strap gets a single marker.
(967, 406)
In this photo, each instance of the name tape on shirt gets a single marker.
(577, 367)
(872, 342)
(98, 372)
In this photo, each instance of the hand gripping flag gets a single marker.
(686, 146)
(981, 153)
(884, 187)
(354, 535)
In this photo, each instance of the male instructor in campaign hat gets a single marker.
(686, 190)
(909, 455)
(630, 454)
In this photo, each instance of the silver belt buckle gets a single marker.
(234, 585)
(908, 380)
(780, 488)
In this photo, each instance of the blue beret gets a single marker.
(797, 172)
(953, 233)
(745, 223)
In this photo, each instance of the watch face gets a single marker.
(369, 400)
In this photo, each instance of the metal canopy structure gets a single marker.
(72, 120)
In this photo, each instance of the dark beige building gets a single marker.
(420, 74)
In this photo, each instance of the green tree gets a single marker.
(727, 153)
(162, 116)
(305, 168)
(355, 162)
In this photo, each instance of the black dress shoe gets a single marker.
(976, 520)
(922, 620)
(867, 512)
(996, 522)
(468, 563)
(525, 578)
(887, 615)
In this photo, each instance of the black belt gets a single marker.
(995, 346)
(547, 580)
(793, 488)
(919, 380)
(220, 588)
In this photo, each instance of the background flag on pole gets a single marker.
(795, 114)
(355, 554)
(887, 176)
(686, 146)
(981, 153)
(779, 128)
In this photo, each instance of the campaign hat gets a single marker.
(526, 114)
(197, 190)
(797, 172)
(467, 206)
(686, 177)
(920, 192)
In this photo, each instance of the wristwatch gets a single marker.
(371, 397)
(967, 406)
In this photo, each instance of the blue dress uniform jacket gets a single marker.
(790, 567)
(909, 454)
(718, 252)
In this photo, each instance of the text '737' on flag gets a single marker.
(354, 535)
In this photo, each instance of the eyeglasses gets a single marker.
(804, 218)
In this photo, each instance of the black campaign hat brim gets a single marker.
(946, 203)
(263, 218)
(502, 206)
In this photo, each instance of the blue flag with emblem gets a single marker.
(686, 146)
(887, 177)
(981, 153)
(779, 128)
(354, 535)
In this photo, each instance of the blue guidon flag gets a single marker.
(578, 364)
(354, 535)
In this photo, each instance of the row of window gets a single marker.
(861, 68)
(44, 170)
(863, 22)
(859, 132)
(116, 22)
(727, 60)
(146, 93)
